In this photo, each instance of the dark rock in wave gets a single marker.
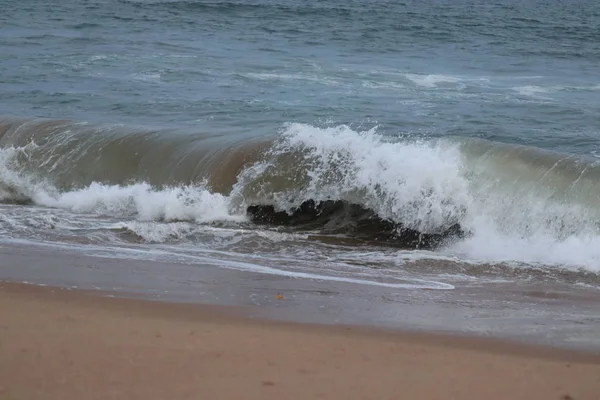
(339, 217)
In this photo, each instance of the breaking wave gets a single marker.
(473, 198)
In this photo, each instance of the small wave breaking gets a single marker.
(473, 198)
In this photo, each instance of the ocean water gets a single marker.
(401, 144)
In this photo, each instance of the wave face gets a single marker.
(475, 199)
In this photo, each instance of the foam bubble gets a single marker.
(144, 202)
(405, 284)
(431, 81)
(152, 232)
(417, 184)
(491, 246)
(140, 200)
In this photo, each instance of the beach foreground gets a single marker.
(61, 344)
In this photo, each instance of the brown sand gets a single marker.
(57, 344)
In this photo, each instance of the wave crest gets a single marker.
(419, 185)
(474, 198)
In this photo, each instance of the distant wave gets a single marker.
(477, 198)
(431, 81)
(248, 6)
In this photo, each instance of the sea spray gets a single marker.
(512, 203)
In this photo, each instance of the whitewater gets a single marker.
(468, 201)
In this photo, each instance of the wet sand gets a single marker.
(65, 344)
(555, 316)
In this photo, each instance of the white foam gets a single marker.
(319, 79)
(147, 77)
(491, 246)
(98, 57)
(423, 185)
(408, 284)
(418, 184)
(152, 232)
(537, 91)
(384, 85)
(15, 185)
(431, 81)
(144, 202)
(427, 185)
(140, 201)
(533, 91)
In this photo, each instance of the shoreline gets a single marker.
(533, 315)
(260, 316)
(61, 344)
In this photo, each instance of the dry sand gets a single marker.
(59, 344)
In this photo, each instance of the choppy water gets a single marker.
(414, 144)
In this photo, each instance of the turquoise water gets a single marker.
(511, 71)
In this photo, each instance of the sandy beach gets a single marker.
(64, 344)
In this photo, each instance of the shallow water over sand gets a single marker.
(543, 314)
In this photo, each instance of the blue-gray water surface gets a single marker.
(513, 71)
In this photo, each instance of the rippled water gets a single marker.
(516, 71)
